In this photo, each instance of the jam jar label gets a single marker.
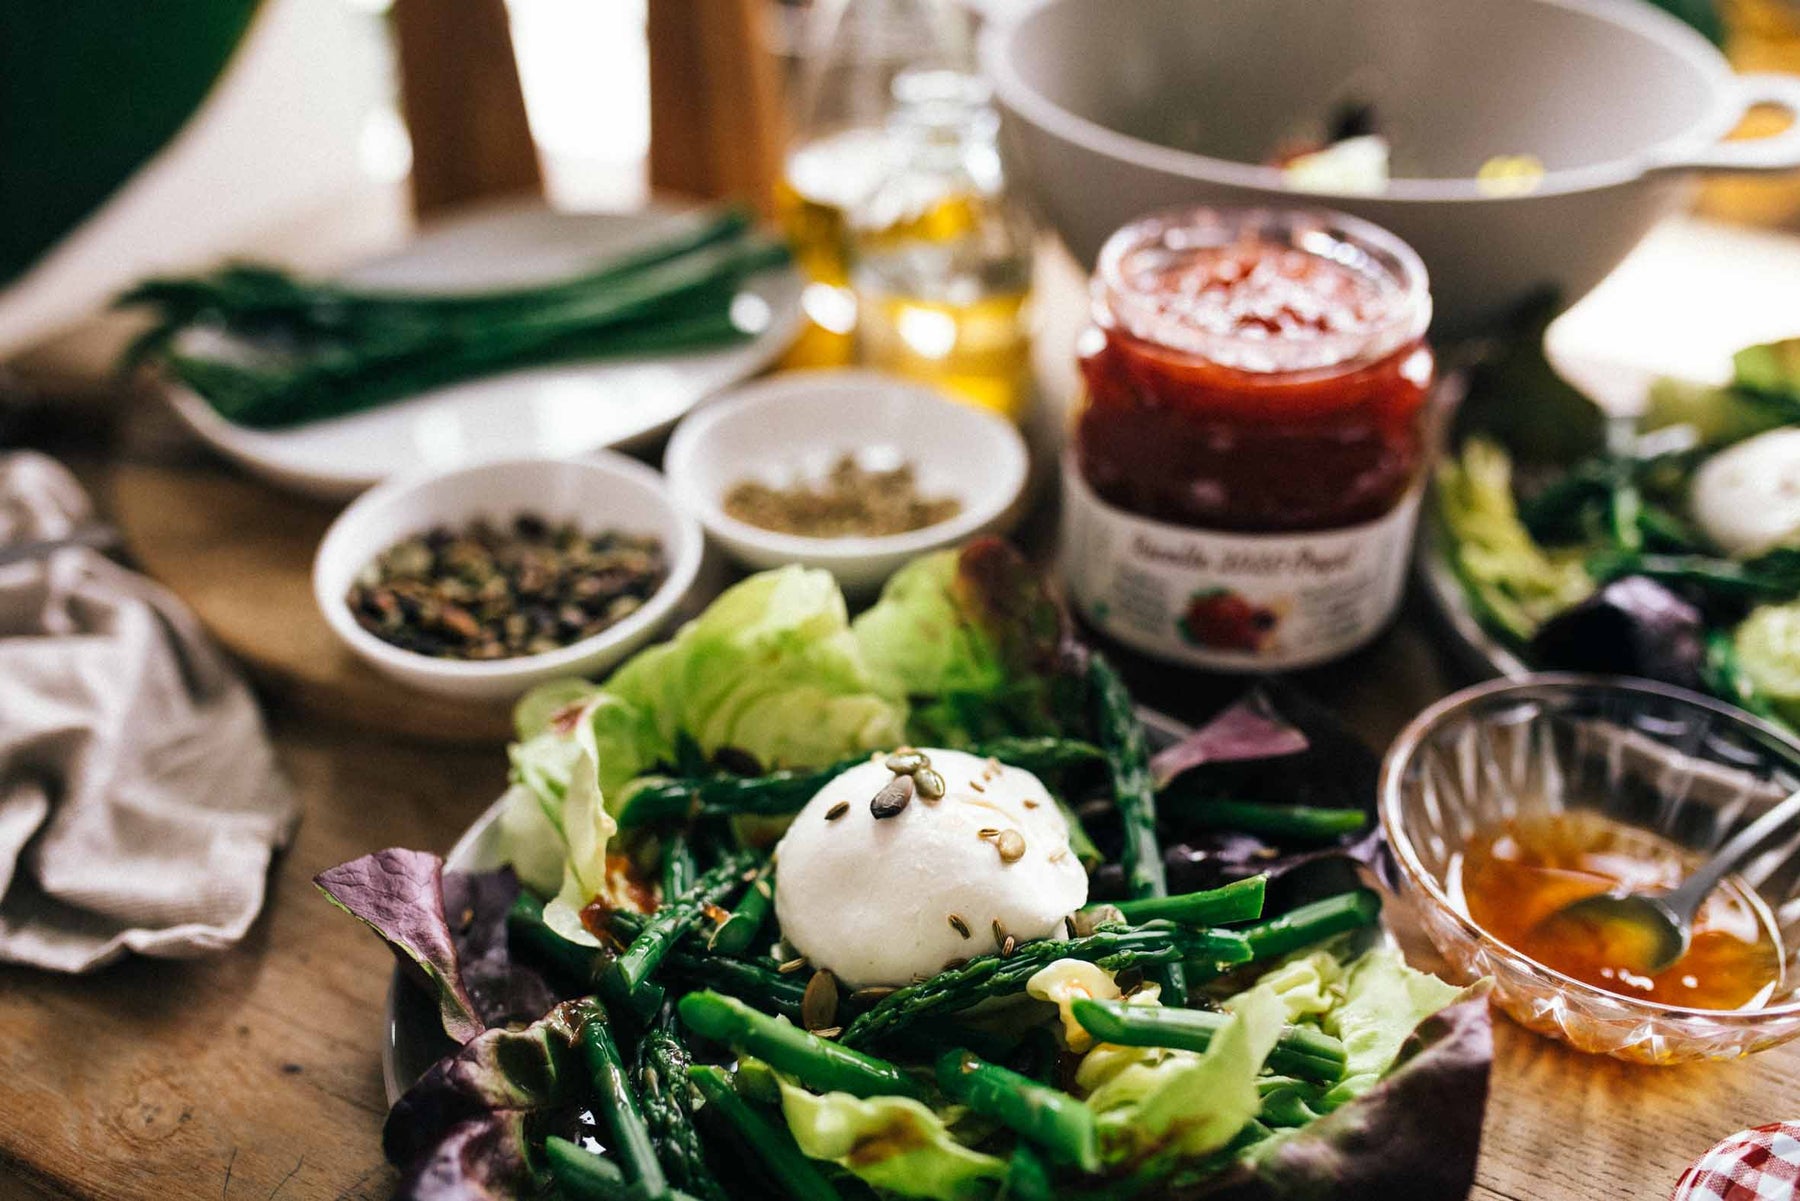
(1232, 602)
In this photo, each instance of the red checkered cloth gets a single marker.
(1752, 1165)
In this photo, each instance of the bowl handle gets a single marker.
(1777, 152)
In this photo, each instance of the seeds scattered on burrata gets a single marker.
(881, 882)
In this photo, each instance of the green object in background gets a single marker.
(1701, 14)
(90, 90)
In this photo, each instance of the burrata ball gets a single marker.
(1747, 498)
(887, 900)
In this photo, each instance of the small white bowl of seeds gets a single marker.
(483, 581)
(852, 471)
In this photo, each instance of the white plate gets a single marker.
(560, 410)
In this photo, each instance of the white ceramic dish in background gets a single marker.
(1621, 102)
(602, 491)
(796, 426)
(563, 409)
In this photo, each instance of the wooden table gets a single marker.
(255, 1075)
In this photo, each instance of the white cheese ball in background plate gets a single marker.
(1747, 499)
(872, 899)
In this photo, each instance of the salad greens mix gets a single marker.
(623, 1020)
(1665, 546)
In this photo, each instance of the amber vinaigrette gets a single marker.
(1515, 875)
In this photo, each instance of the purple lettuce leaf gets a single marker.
(483, 1158)
(399, 894)
(503, 992)
(1415, 1135)
(1249, 729)
(459, 1117)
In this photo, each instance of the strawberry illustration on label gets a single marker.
(1225, 620)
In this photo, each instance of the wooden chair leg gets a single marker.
(715, 121)
(460, 91)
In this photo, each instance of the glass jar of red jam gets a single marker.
(1244, 470)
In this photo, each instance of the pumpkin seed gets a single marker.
(893, 798)
(818, 1005)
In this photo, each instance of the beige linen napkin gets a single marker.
(139, 799)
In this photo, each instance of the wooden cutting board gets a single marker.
(240, 555)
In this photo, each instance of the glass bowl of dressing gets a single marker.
(1511, 799)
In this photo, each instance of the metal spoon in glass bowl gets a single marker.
(1647, 932)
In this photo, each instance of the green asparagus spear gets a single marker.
(676, 917)
(1261, 817)
(737, 932)
(1040, 755)
(783, 792)
(814, 1061)
(583, 1176)
(531, 939)
(1134, 792)
(678, 868)
(752, 981)
(1114, 948)
(295, 370)
(1080, 841)
(1027, 1177)
(1303, 1051)
(1308, 924)
(1239, 901)
(618, 1107)
(664, 1091)
(1059, 1123)
(799, 1179)
(1773, 576)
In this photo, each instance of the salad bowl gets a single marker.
(1116, 108)
(1681, 567)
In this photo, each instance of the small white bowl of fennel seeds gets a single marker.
(852, 471)
(483, 581)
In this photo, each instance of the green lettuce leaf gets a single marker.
(975, 643)
(1157, 1106)
(1511, 580)
(1384, 1002)
(1771, 369)
(1767, 645)
(586, 828)
(893, 1143)
(770, 668)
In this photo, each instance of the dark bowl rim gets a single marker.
(1405, 746)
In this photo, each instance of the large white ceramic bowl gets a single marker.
(1116, 108)
(795, 426)
(600, 492)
